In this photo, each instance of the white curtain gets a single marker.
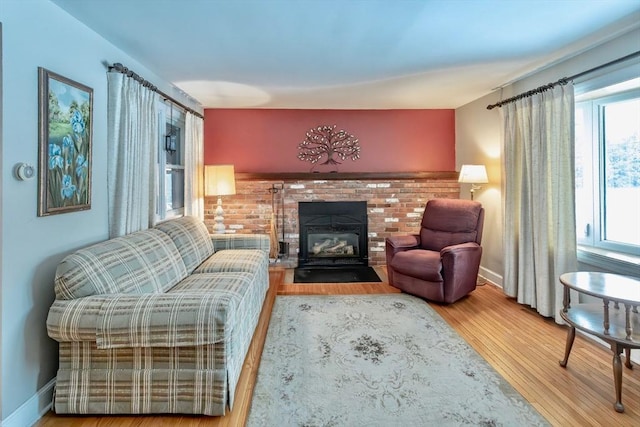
(539, 201)
(132, 139)
(194, 167)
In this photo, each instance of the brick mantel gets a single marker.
(395, 202)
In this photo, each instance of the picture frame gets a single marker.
(65, 118)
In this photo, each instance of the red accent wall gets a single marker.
(262, 140)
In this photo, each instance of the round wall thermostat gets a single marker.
(25, 171)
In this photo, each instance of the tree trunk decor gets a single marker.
(326, 141)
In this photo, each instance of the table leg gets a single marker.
(606, 322)
(566, 299)
(571, 336)
(629, 331)
(617, 376)
(627, 358)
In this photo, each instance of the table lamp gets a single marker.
(473, 174)
(219, 180)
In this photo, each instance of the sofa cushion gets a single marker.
(166, 320)
(201, 309)
(246, 260)
(234, 283)
(142, 262)
(112, 319)
(240, 241)
(192, 239)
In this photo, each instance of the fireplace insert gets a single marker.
(333, 234)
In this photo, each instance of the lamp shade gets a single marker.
(475, 174)
(219, 180)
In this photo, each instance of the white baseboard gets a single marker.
(33, 409)
(490, 276)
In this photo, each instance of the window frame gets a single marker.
(176, 117)
(596, 178)
(595, 249)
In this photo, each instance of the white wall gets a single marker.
(478, 141)
(478, 138)
(39, 33)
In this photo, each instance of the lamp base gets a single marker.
(218, 228)
(473, 189)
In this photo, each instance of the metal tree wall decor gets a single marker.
(326, 141)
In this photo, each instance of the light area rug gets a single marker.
(376, 360)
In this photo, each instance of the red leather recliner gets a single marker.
(442, 262)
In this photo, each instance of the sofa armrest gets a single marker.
(240, 241)
(75, 319)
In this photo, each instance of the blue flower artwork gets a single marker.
(77, 122)
(67, 187)
(65, 141)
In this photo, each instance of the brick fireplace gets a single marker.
(394, 203)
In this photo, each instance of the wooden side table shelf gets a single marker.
(615, 320)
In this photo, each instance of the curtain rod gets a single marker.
(562, 81)
(118, 67)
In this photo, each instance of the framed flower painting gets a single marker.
(65, 120)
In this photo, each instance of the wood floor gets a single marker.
(520, 344)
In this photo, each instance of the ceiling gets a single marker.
(350, 54)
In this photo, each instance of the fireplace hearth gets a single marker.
(333, 234)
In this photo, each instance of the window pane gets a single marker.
(174, 189)
(173, 145)
(621, 131)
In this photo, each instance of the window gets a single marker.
(607, 137)
(171, 162)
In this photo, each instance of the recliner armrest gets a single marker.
(460, 256)
(400, 243)
(460, 264)
(461, 248)
(396, 244)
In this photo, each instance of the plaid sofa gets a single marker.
(158, 321)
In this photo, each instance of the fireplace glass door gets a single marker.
(333, 233)
(333, 245)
